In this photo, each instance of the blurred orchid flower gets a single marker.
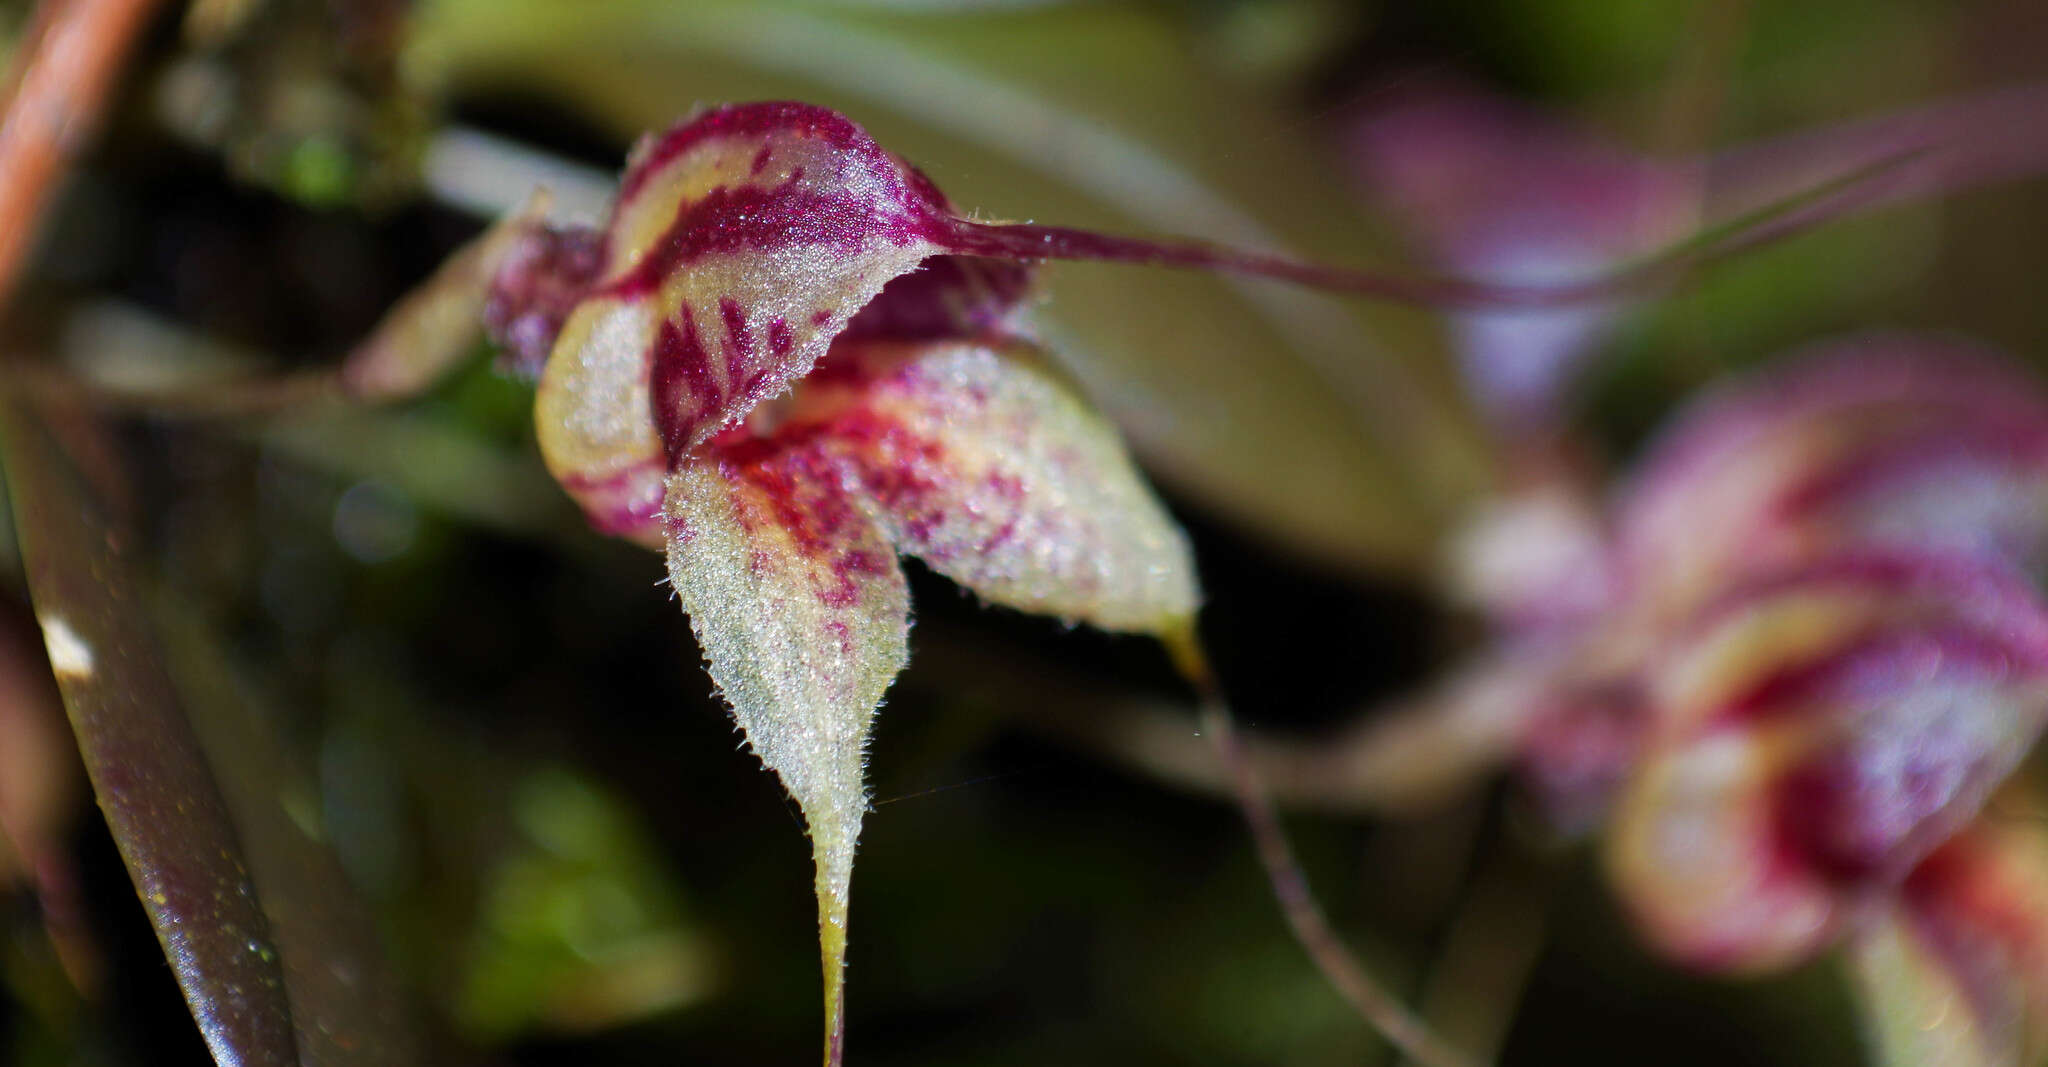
(1825, 651)
(1816, 735)
(1886, 443)
(1816, 648)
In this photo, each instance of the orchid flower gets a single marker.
(1885, 443)
(759, 247)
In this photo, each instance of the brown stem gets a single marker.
(1416, 756)
(1493, 944)
(63, 72)
(1304, 914)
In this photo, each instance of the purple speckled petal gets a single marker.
(980, 459)
(541, 280)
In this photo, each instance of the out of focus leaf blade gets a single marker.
(1333, 427)
(346, 1004)
(154, 786)
(276, 957)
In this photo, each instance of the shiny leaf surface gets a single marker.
(276, 957)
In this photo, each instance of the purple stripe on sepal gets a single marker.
(751, 122)
(756, 221)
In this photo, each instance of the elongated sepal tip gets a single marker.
(835, 870)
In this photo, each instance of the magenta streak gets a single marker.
(1994, 593)
(739, 344)
(1853, 190)
(1884, 657)
(680, 388)
(1944, 147)
(800, 488)
(1938, 377)
(780, 341)
(760, 121)
(2007, 451)
(1030, 243)
(753, 220)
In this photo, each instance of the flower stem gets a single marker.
(1373, 1001)
(1794, 213)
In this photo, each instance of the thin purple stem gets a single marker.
(1756, 195)
(1376, 1004)
(1033, 242)
(1955, 144)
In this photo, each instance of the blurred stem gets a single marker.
(1492, 946)
(1944, 148)
(1421, 753)
(62, 75)
(1304, 914)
